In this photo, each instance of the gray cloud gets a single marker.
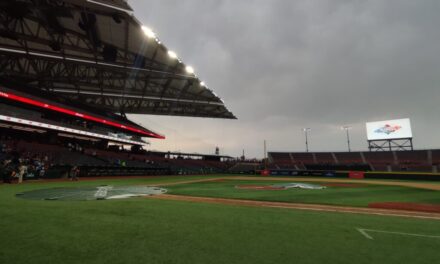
(283, 65)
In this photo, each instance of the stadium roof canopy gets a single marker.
(97, 52)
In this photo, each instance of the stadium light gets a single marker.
(306, 132)
(172, 54)
(189, 69)
(202, 84)
(347, 129)
(148, 32)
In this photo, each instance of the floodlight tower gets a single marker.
(347, 129)
(306, 132)
(265, 155)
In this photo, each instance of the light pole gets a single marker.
(265, 156)
(306, 132)
(347, 129)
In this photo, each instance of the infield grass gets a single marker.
(143, 230)
(359, 195)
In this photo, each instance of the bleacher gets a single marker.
(107, 162)
(58, 155)
(349, 157)
(303, 158)
(324, 158)
(416, 157)
(245, 168)
(282, 157)
(412, 161)
(380, 161)
(435, 156)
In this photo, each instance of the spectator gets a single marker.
(5, 171)
(41, 172)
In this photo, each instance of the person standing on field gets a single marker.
(21, 171)
(74, 173)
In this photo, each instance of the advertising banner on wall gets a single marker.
(389, 129)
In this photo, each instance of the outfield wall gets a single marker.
(403, 176)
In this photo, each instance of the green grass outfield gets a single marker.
(144, 230)
(352, 196)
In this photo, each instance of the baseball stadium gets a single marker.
(80, 183)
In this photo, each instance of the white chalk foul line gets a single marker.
(364, 232)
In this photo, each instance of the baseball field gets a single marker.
(223, 219)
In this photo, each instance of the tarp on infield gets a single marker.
(299, 185)
(91, 193)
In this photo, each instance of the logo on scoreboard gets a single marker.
(387, 129)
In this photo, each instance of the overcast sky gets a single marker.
(284, 65)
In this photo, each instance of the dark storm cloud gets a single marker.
(283, 65)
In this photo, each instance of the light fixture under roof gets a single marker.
(172, 54)
(148, 32)
(189, 69)
(202, 84)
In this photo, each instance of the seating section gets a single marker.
(379, 157)
(303, 158)
(413, 161)
(416, 157)
(436, 157)
(282, 160)
(114, 158)
(324, 158)
(379, 161)
(349, 157)
(57, 155)
(244, 167)
(281, 157)
(96, 162)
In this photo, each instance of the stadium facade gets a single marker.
(93, 61)
(71, 70)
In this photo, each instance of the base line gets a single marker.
(364, 232)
